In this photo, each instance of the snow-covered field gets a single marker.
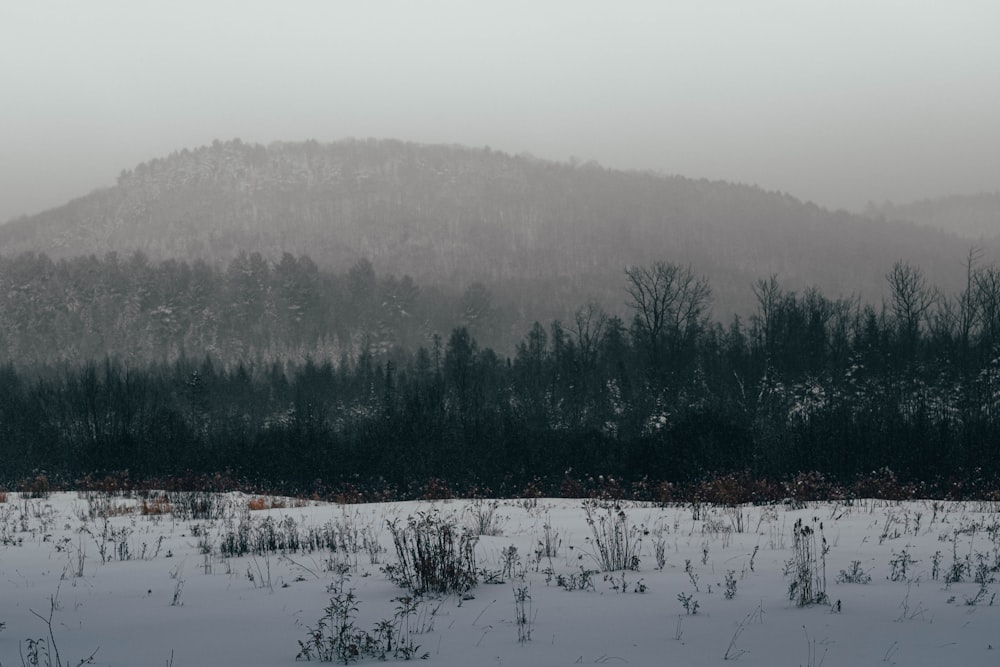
(712, 583)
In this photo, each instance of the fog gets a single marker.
(838, 103)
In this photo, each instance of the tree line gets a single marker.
(250, 310)
(666, 395)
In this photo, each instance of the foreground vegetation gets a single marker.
(117, 577)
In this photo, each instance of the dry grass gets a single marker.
(117, 509)
(155, 506)
(36, 487)
(258, 503)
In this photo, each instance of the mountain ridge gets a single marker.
(453, 215)
(973, 216)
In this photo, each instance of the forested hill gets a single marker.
(307, 318)
(543, 236)
(974, 216)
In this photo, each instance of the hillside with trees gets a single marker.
(540, 236)
(972, 216)
(249, 311)
(385, 320)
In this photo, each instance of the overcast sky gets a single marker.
(837, 102)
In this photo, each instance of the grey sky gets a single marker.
(836, 102)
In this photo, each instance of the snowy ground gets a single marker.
(155, 589)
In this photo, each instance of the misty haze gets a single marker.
(499, 333)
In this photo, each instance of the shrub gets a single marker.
(689, 603)
(616, 541)
(884, 483)
(811, 486)
(196, 505)
(665, 493)
(437, 489)
(735, 489)
(483, 518)
(261, 537)
(335, 637)
(522, 613)
(730, 591)
(548, 545)
(571, 487)
(582, 582)
(36, 487)
(44, 652)
(854, 575)
(900, 565)
(533, 489)
(808, 566)
(349, 494)
(433, 555)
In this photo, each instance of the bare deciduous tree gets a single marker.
(590, 322)
(670, 305)
(912, 300)
(768, 295)
(988, 305)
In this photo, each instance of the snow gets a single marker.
(176, 605)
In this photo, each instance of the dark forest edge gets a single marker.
(812, 398)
